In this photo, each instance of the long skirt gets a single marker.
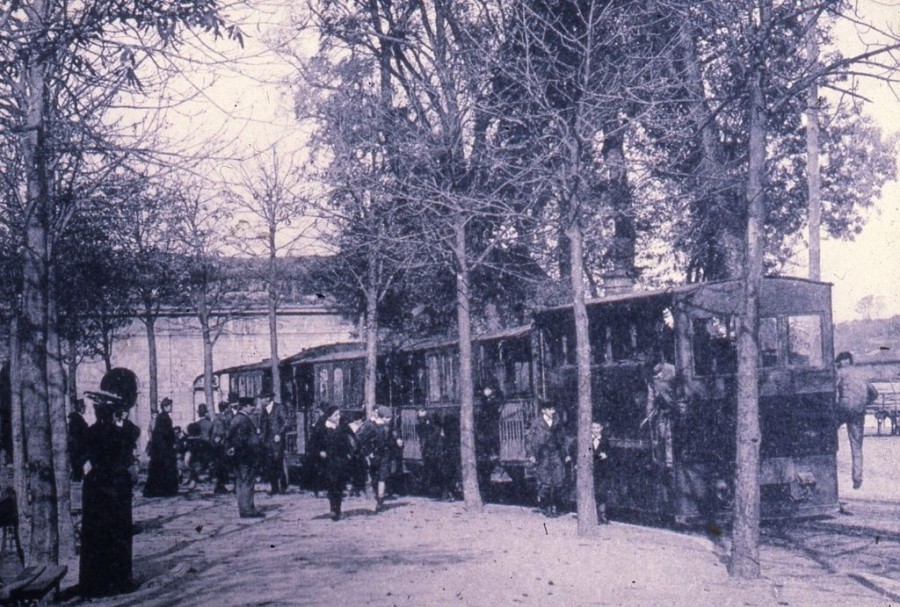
(106, 529)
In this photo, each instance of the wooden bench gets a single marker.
(33, 585)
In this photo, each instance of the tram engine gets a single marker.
(664, 379)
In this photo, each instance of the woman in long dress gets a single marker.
(105, 566)
(162, 473)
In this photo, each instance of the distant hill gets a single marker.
(869, 340)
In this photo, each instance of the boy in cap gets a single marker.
(377, 443)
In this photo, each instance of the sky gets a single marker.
(246, 105)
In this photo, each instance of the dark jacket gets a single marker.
(547, 445)
(431, 439)
(275, 423)
(337, 445)
(243, 439)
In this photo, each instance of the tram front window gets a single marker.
(714, 349)
(768, 342)
(805, 341)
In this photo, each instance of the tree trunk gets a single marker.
(152, 359)
(19, 458)
(471, 491)
(371, 338)
(33, 345)
(72, 364)
(745, 529)
(56, 382)
(273, 321)
(813, 178)
(585, 499)
(206, 335)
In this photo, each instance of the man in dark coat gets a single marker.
(162, 473)
(378, 444)
(243, 442)
(197, 454)
(854, 394)
(431, 442)
(546, 449)
(105, 565)
(218, 432)
(76, 440)
(275, 425)
(332, 442)
(600, 451)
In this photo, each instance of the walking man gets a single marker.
(378, 443)
(243, 449)
(854, 394)
(218, 434)
(276, 423)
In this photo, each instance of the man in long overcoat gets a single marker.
(243, 448)
(546, 449)
(275, 425)
(217, 435)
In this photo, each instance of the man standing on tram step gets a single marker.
(217, 436)
(275, 425)
(243, 444)
(431, 443)
(377, 443)
(545, 447)
(600, 450)
(854, 394)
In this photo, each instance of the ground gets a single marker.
(194, 550)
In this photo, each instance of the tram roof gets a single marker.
(427, 343)
(338, 351)
(670, 291)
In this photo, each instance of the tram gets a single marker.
(675, 464)
(428, 373)
(679, 464)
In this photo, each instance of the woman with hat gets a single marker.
(106, 528)
(162, 473)
(332, 443)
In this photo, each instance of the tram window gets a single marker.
(523, 377)
(768, 342)
(323, 385)
(434, 379)
(715, 352)
(338, 387)
(805, 341)
(623, 338)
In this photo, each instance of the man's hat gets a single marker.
(384, 412)
(547, 404)
(245, 401)
(202, 410)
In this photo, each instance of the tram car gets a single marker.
(677, 463)
(427, 372)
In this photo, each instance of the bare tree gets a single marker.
(270, 205)
(200, 226)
